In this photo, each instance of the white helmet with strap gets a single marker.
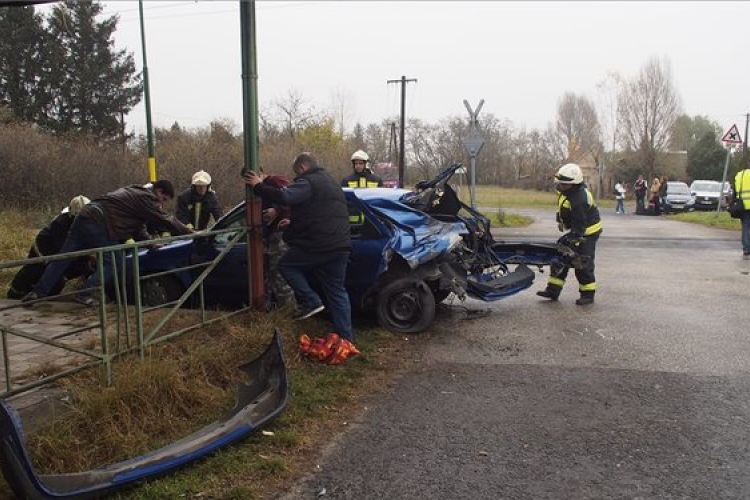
(201, 178)
(361, 155)
(570, 173)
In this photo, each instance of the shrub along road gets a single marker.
(642, 395)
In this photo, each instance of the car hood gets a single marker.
(710, 194)
(679, 197)
(416, 236)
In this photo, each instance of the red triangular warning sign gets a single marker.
(732, 136)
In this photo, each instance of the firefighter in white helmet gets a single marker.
(197, 204)
(47, 242)
(577, 214)
(362, 176)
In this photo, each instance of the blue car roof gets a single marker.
(366, 194)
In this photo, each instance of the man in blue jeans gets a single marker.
(317, 233)
(110, 220)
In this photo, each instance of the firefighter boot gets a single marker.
(551, 292)
(585, 299)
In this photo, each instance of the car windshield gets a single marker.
(707, 186)
(678, 189)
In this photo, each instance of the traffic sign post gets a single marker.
(473, 144)
(731, 139)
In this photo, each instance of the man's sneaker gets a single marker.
(29, 297)
(746, 256)
(85, 300)
(307, 313)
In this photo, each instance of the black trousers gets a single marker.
(585, 276)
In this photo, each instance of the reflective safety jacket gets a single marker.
(366, 179)
(742, 187)
(577, 211)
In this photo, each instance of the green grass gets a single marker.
(720, 220)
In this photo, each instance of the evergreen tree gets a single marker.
(21, 44)
(706, 158)
(89, 83)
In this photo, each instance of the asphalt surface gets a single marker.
(643, 395)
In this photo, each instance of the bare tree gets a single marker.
(295, 114)
(647, 109)
(577, 127)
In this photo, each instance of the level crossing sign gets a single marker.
(732, 136)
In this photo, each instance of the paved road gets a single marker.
(643, 395)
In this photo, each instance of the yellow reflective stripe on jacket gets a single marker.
(197, 214)
(357, 219)
(588, 287)
(593, 228)
(564, 202)
(362, 182)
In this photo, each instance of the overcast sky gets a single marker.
(520, 57)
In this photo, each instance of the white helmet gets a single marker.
(201, 178)
(77, 203)
(570, 173)
(361, 155)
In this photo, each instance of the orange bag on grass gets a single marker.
(330, 349)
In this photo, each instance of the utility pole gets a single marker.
(403, 81)
(147, 94)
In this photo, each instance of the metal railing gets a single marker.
(39, 347)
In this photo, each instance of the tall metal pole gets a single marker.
(401, 166)
(147, 94)
(253, 211)
(724, 177)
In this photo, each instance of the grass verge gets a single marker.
(186, 383)
(720, 220)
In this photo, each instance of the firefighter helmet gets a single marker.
(77, 203)
(570, 173)
(201, 178)
(361, 155)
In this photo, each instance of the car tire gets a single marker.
(160, 290)
(405, 305)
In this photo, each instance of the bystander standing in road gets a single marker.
(620, 197)
(641, 190)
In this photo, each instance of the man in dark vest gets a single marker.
(317, 233)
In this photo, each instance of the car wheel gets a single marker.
(406, 306)
(160, 290)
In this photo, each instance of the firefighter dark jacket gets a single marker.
(578, 212)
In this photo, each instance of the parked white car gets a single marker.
(707, 194)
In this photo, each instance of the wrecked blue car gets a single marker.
(411, 249)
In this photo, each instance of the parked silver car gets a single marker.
(679, 198)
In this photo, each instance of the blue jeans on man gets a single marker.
(84, 233)
(329, 271)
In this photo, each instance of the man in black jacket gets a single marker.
(317, 233)
(110, 220)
